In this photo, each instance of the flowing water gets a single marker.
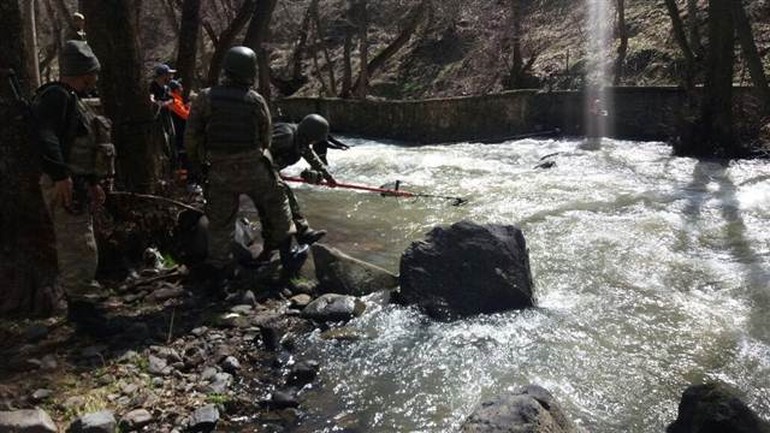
(652, 273)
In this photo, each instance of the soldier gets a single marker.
(308, 140)
(229, 125)
(76, 156)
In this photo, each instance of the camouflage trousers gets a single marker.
(252, 174)
(76, 251)
(296, 213)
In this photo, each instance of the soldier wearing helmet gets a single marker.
(308, 140)
(230, 128)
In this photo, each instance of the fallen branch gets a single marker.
(157, 198)
(174, 272)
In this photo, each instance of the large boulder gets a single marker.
(714, 408)
(27, 421)
(532, 409)
(467, 269)
(345, 275)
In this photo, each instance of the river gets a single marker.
(652, 273)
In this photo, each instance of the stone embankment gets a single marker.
(634, 113)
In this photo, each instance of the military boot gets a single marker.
(292, 258)
(310, 236)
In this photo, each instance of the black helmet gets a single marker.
(240, 64)
(313, 128)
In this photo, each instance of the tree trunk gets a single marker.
(681, 40)
(299, 47)
(52, 50)
(256, 34)
(227, 38)
(693, 28)
(750, 53)
(264, 74)
(170, 12)
(623, 47)
(188, 43)
(30, 36)
(124, 92)
(66, 15)
(259, 26)
(347, 71)
(318, 73)
(322, 44)
(514, 75)
(27, 257)
(362, 84)
(717, 110)
(403, 37)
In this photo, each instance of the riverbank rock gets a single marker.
(345, 275)
(204, 419)
(102, 421)
(467, 269)
(530, 410)
(714, 408)
(334, 308)
(27, 421)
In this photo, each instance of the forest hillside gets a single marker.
(447, 48)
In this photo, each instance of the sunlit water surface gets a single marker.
(651, 274)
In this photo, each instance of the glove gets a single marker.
(329, 179)
(311, 176)
(336, 144)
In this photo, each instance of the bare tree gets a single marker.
(66, 15)
(623, 46)
(27, 258)
(30, 36)
(347, 62)
(256, 34)
(415, 17)
(362, 17)
(227, 39)
(717, 109)
(169, 8)
(321, 43)
(124, 93)
(694, 27)
(684, 45)
(515, 72)
(188, 40)
(301, 43)
(52, 49)
(750, 52)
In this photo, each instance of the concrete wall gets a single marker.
(641, 113)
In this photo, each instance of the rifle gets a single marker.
(22, 103)
(18, 94)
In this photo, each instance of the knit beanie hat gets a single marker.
(77, 58)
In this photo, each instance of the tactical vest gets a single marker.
(283, 145)
(232, 125)
(86, 139)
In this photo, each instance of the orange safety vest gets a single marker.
(178, 106)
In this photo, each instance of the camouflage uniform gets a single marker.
(229, 126)
(73, 143)
(287, 149)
